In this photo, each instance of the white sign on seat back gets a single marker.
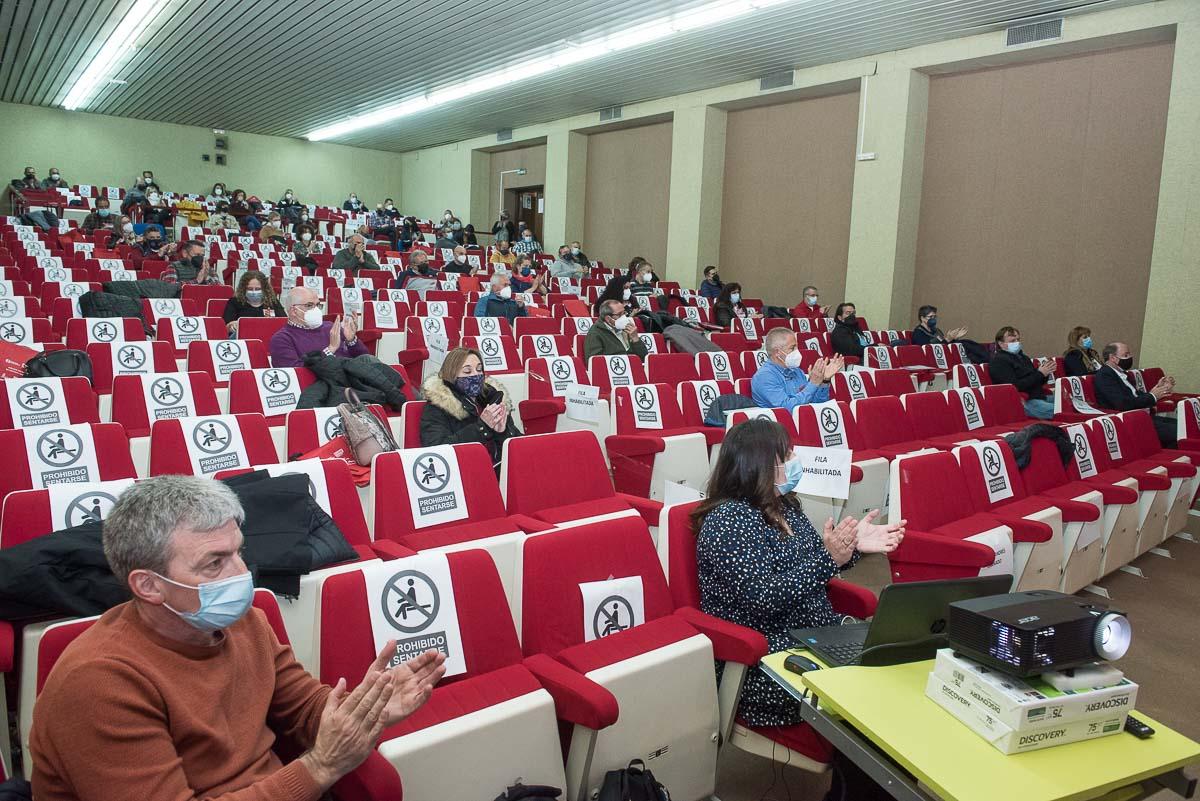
(385, 314)
(290, 275)
(855, 386)
(561, 371)
(804, 325)
(314, 282)
(970, 407)
(1189, 408)
(449, 284)
(643, 302)
(123, 275)
(749, 329)
(245, 242)
(437, 308)
(6, 288)
(826, 471)
(1108, 426)
(132, 358)
(112, 264)
(106, 329)
(1078, 399)
(720, 366)
(647, 410)
(352, 298)
(76, 504)
(18, 331)
(278, 389)
(995, 471)
(582, 402)
(168, 395)
(832, 424)
(412, 602)
(492, 348)
(488, 325)
(435, 486)
(318, 486)
(883, 356)
(612, 606)
(61, 455)
(703, 303)
(365, 285)
(1138, 380)
(691, 314)
(214, 444)
(338, 276)
(36, 402)
(619, 372)
(187, 329)
(398, 295)
(11, 307)
(544, 345)
(972, 374)
(812, 343)
(167, 307)
(329, 423)
(432, 327)
(648, 341)
(939, 356)
(706, 393)
(1082, 450)
(228, 355)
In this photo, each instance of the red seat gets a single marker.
(179, 332)
(260, 328)
(885, 427)
(32, 402)
(139, 401)
(155, 309)
(720, 366)
(967, 374)
(695, 397)
(892, 382)
(671, 368)
(271, 391)
(37, 457)
(609, 372)
(544, 345)
(532, 326)
(84, 331)
(499, 353)
(32, 513)
(486, 326)
(852, 385)
(210, 444)
(128, 358)
(653, 445)
(220, 358)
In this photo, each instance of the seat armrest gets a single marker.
(537, 408)
(851, 599)
(374, 780)
(1075, 511)
(634, 445)
(389, 550)
(856, 473)
(7, 646)
(1025, 530)
(530, 525)
(1152, 481)
(936, 549)
(1112, 493)
(577, 699)
(731, 642)
(648, 509)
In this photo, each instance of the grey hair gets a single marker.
(289, 297)
(497, 279)
(776, 337)
(138, 531)
(805, 290)
(1110, 350)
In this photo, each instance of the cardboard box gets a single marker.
(978, 718)
(1023, 704)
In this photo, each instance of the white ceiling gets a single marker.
(287, 67)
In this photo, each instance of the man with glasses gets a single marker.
(307, 332)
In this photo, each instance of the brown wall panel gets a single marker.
(1040, 194)
(789, 178)
(532, 159)
(627, 196)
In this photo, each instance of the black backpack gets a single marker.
(633, 783)
(59, 364)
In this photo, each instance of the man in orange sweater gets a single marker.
(178, 694)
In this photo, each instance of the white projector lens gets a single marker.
(1112, 636)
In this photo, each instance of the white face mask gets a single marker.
(621, 323)
(625, 294)
(793, 358)
(218, 191)
(127, 228)
(54, 176)
(389, 207)
(461, 258)
(811, 300)
(447, 216)
(574, 251)
(353, 199)
(506, 292)
(288, 196)
(646, 278)
(735, 297)
(306, 236)
(152, 197)
(312, 317)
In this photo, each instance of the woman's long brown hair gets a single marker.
(269, 299)
(745, 471)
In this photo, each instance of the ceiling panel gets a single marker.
(287, 67)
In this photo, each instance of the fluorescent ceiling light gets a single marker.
(121, 41)
(573, 52)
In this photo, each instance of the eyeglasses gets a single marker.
(306, 306)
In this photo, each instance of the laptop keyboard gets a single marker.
(846, 653)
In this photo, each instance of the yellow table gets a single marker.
(886, 709)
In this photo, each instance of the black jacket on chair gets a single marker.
(1111, 392)
(1017, 369)
(845, 341)
(451, 418)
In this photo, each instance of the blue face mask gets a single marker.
(525, 271)
(104, 212)
(933, 323)
(222, 603)
(1086, 342)
(469, 385)
(794, 471)
(1012, 347)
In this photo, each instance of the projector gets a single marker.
(1030, 633)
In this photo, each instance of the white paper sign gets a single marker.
(314, 469)
(398, 295)
(106, 329)
(278, 389)
(412, 602)
(826, 471)
(437, 308)
(620, 374)
(168, 395)
(691, 314)
(939, 356)
(813, 344)
(76, 504)
(613, 606)
(1000, 541)
(167, 307)
(314, 282)
(61, 455)
(995, 471)
(703, 303)
(720, 365)
(648, 341)
(970, 407)
(435, 488)
(831, 423)
(972, 375)
(804, 325)
(214, 444)
(582, 402)
(1188, 409)
(186, 329)
(228, 355)
(1109, 428)
(675, 493)
(1078, 399)
(385, 314)
(1083, 450)
(1138, 380)
(338, 276)
(488, 325)
(123, 275)
(6, 288)
(856, 386)
(706, 393)
(749, 330)
(36, 402)
(883, 357)
(647, 411)
(492, 348)
(561, 372)
(18, 331)
(643, 302)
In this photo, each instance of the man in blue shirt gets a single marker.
(780, 384)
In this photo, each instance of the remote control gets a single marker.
(800, 664)
(1137, 728)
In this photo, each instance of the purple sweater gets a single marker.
(291, 344)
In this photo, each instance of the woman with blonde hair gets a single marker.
(252, 298)
(464, 405)
(1080, 358)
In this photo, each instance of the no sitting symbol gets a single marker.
(410, 601)
(614, 614)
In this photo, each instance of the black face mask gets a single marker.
(197, 261)
(850, 319)
(153, 243)
(1125, 363)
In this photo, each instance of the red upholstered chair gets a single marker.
(830, 425)
(1146, 454)
(271, 391)
(1075, 399)
(28, 514)
(967, 374)
(734, 343)
(547, 380)
(741, 648)
(139, 400)
(781, 416)
(534, 346)
(127, 358)
(657, 661)
(13, 304)
(416, 327)
(983, 418)
(455, 309)
(156, 309)
(892, 382)
(466, 740)
(37, 457)
(206, 292)
(1002, 406)
(671, 368)
(608, 372)
(26, 402)
(178, 332)
(933, 422)
(885, 427)
(84, 331)
(720, 366)
(260, 328)
(852, 385)
(752, 360)
(570, 481)
(486, 326)
(694, 398)
(308, 429)
(210, 444)
(221, 357)
(532, 326)
(653, 444)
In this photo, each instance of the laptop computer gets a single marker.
(909, 623)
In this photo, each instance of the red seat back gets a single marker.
(569, 465)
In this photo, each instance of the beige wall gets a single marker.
(789, 178)
(628, 193)
(102, 150)
(1040, 193)
(532, 159)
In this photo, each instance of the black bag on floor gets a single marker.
(59, 364)
(527, 792)
(633, 783)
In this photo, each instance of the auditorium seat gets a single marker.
(652, 445)
(1075, 399)
(851, 385)
(1112, 448)
(1147, 454)
(84, 331)
(221, 357)
(647, 656)
(480, 729)
(271, 391)
(33, 458)
(571, 481)
(31, 513)
(752, 360)
(883, 426)
(695, 397)
(933, 421)
(486, 326)
(209, 444)
(609, 372)
(155, 309)
(970, 375)
(830, 425)
(544, 346)
(259, 328)
(720, 366)
(893, 382)
(179, 332)
(34, 402)
(532, 326)
(140, 400)
(127, 358)
(671, 369)
(547, 381)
